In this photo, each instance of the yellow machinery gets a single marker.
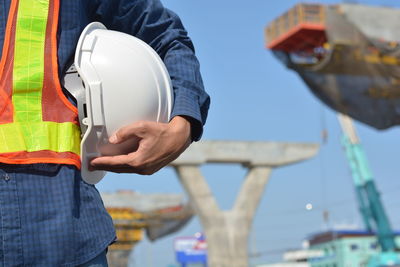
(129, 226)
(134, 214)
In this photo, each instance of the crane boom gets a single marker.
(371, 207)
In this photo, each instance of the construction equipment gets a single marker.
(370, 205)
(133, 213)
(349, 56)
(302, 28)
(129, 225)
(355, 45)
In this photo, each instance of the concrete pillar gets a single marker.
(227, 231)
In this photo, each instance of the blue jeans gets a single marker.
(99, 261)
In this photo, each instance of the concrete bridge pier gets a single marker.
(227, 231)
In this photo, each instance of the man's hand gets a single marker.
(159, 144)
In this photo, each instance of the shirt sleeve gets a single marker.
(162, 29)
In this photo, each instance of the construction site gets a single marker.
(348, 56)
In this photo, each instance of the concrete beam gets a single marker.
(254, 153)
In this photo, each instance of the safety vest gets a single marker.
(37, 122)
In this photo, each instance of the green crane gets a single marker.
(371, 208)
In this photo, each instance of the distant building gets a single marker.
(286, 264)
(336, 248)
(344, 248)
(296, 258)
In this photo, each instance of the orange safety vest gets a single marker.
(37, 122)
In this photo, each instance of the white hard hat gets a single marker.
(124, 81)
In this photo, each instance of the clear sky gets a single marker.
(254, 97)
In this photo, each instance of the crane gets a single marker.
(370, 205)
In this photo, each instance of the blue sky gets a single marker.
(254, 97)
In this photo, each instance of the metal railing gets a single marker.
(299, 14)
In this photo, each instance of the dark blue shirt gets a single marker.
(49, 216)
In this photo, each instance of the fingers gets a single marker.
(126, 164)
(114, 164)
(120, 164)
(113, 161)
(137, 129)
(157, 144)
(124, 168)
(118, 169)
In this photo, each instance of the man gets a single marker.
(49, 216)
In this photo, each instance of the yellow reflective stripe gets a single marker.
(28, 70)
(28, 132)
(36, 136)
